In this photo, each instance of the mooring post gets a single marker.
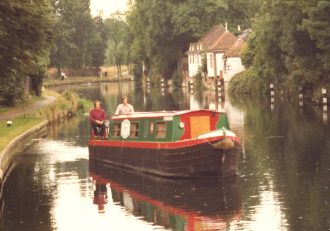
(221, 87)
(216, 80)
(325, 104)
(191, 84)
(148, 84)
(324, 99)
(301, 97)
(272, 96)
(219, 90)
(162, 84)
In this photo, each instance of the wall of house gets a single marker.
(234, 66)
(219, 63)
(194, 62)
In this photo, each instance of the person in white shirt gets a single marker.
(124, 108)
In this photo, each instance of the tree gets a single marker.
(118, 48)
(25, 39)
(318, 27)
(289, 45)
(97, 43)
(76, 35)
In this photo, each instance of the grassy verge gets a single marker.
(66, 105)
(20, 125)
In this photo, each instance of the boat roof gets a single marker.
(156, 114)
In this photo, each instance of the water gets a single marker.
(283, 182)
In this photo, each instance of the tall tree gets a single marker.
(25, 39)
(318, 27)
(97, 43)
(290, 42)
(118, 34)
(73, 31)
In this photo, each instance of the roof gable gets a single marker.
(224, 42)
(211, 36)
(236, 48)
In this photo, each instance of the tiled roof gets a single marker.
(224, 42)
(236, 49)
(207, 40)
(211, 36)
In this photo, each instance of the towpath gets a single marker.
(9, 115)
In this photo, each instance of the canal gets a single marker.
(283, 183)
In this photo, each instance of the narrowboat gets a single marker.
(189, 143)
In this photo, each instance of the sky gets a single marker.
(107, 6)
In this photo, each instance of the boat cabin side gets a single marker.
(166, 127)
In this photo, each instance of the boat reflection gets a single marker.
(176, 204)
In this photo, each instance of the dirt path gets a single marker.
(9, 115)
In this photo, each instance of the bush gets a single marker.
(247, 83)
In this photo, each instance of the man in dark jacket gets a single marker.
(97, 118)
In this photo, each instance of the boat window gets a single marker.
(116, 130)
(134, 129)
(160, 130)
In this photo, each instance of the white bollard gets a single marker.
(301, 97)
(272, 96)
(324, 99)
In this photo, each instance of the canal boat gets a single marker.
(188, 143)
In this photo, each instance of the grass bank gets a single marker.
(20, 125)
(249, 85)
(66, 105)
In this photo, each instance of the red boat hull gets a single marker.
(191, 158)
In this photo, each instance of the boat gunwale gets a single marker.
(158, 144)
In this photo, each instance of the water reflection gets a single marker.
(173, 204)
(283, 179)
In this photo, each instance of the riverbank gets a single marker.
(84, 80)
(32, 118)
(249, 85)
(111, 76)
(33, 115)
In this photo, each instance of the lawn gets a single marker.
(19, 126)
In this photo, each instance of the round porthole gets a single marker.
(181, 125)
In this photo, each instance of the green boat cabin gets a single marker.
(165, 126)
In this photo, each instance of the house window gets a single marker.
(134, 130)
(160, 130)
(116, 130)
(211, 60)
